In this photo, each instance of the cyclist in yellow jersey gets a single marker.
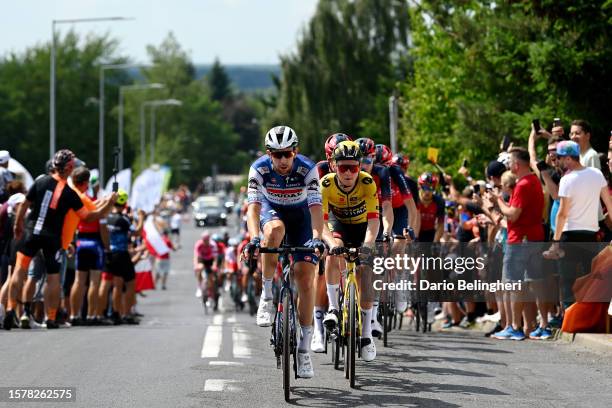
(350, 211)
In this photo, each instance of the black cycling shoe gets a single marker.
(116, 319)
(10, 320)
(77, 321)
(52, 324)
(131, 320)
(331, 320)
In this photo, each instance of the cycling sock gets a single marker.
(366, 321)
(375, 310)
(267, 286)
(318, 318)
(304, 345)
(27, 307)
(12, 304)
(52, 313)
(332, 295)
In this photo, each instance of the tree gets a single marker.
(24, 98)
(219, 82)
(345, 59)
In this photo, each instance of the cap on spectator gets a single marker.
(495, 169)
(568, 148)
(16, 199)
(4, 156)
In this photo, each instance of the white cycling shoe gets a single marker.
(377, 329)
(304, 365)
(264, 312)
(317, 344)
(368, 349)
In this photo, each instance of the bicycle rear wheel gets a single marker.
(352, 343)
(386, 322)
(286, 348)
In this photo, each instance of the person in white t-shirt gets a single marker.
(580, 132)
(175, 228)
(579, 191)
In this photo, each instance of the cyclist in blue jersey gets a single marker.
(284, 201)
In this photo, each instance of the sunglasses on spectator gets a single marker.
(552, 153)
(343, 168)
(286, 154)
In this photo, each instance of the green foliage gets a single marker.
(344, 61)
(483, 70)
(218, 82)
(24, 99)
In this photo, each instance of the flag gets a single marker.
(144, 275)
(432, 154)
(153, 239)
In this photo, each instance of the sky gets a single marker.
(236, 31)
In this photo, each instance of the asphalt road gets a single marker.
(179, 357)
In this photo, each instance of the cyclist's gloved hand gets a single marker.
(317, 244)
(366, 256)
(338, 250)
(249, 249)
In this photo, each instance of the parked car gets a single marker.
(209, 210)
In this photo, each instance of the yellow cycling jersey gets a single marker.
(354, 207)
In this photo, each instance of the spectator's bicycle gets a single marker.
(284, 329)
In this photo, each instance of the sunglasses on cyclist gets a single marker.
(343, 168)
(286, 154)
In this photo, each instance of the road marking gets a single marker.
(211, 347)
(226, 363)
(240, 340)
(217, 385)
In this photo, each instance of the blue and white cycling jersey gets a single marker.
(299, 189)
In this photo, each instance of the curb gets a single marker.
(593, 341)
(597, 342)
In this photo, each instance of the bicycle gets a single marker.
(350, 316)
(284, 330)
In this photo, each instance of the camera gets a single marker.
(542, 166)
(536, 125)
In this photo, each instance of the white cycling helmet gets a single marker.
(281, 137)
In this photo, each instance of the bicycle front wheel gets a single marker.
(287, 345)
(352, 343)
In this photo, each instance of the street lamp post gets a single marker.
(153, 104)
(122, 89)
(101, 119)
(52, 135)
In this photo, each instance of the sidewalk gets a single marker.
(597, 342)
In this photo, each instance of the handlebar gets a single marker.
(286, 250)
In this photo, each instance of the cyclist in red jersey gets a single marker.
(205, 253)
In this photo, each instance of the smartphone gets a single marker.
(477, 188)
(536, 125)
(556, 122)
(115, 187)
(465, 163)
(505, 143)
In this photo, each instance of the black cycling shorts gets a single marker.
(352, 235)
(50, 247)
(120, 265)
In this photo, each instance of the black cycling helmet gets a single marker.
(347, 150)
(62, 158)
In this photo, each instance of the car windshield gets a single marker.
(208, 202)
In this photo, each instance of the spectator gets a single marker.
(522, 262)
(580, 133)
(5, 175)
(579, 191)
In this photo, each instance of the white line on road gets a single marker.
(211, 347)
(240, 340)
(220, 385)
(226, 363)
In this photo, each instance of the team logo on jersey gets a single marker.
(326, 182)
(354, 199)
(367, 180)
(341, 199)
(273, 180)
(263, 170)
(313, 185)
(253, 183)
(302, 170)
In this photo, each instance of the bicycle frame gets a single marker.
(351, 279)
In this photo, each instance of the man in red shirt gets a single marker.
(522, 259)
